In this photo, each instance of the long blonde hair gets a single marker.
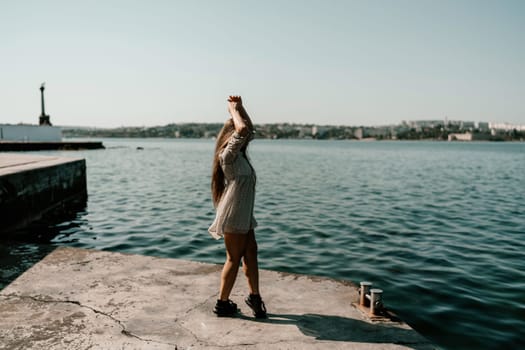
(217, 175)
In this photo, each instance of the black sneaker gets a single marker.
(225, 308)
(255, 302)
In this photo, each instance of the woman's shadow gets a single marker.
(337, 328)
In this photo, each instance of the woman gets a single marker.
(233, 192)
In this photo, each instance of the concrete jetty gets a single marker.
(22, 146)
(87, 299)
(31, 186)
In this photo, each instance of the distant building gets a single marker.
(418, 124)
(460, 137)
(468, 136)
(318, 131)
(28, 133)
(457, 123)
(507, 126)
(467, 125)
(483, 126)
(379, 132)
(305, 131)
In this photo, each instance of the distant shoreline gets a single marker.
(463, 132)
(296, 139)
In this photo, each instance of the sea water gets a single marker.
(439, 226)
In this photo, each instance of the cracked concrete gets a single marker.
(86, 299)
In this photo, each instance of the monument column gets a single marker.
(44, 119)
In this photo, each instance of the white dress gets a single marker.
(234, 212)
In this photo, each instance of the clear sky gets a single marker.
(111, 63)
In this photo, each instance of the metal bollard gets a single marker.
(365, 288)
(376, 300)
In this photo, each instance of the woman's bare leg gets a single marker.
(250, 263)
(235, 248)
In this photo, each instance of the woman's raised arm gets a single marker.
(241, 121)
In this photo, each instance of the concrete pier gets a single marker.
(31, 186)
(23, 146)
(87, 299)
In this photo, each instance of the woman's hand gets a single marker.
(242, 126)
(234, 104)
